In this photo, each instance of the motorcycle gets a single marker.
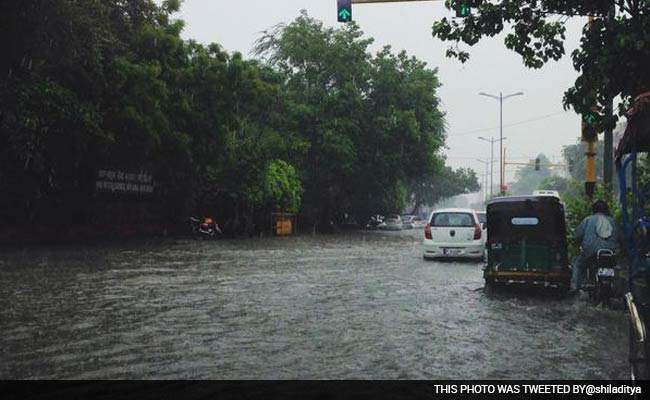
(601, 276)
(376, 222)
(205, 228)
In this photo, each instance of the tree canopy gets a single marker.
(317, 125)
(612, 58)
(527, 178)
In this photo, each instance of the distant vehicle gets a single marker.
(453, 232)
(554, 193)
(393, 223)
(527, 243)
(412, 222)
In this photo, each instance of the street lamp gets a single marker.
(491, 141)
(485, 180)
(500, 98)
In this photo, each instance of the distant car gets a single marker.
(454, 232)
(393, 223)
(412, 222)
(418, 222)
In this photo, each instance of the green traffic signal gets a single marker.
(344, 10)
(589, 118)
(462, 9)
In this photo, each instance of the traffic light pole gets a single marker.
(590, 171)
(344, 7)
(385, 1)
(590, 165)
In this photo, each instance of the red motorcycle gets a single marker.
(205, 227)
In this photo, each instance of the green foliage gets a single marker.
(527, 179)
(372, 122)
(612, 58)
(280, 186)
(445, 184)
(568, 188)
(318, 123)
(576, 152)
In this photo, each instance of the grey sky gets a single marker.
(236, 24)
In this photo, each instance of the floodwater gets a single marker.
(353, 305)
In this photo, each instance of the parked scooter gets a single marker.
(602, 272)
(205, 228)
(376, 222)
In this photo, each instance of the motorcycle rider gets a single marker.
(595, 232)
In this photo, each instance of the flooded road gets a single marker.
(358, 305)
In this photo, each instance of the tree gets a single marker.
(568, 188)
(575, 153)
(319, 125)
(372, 122)
(281, 187)
(612, 59)
(55, 78)
(527, 179)
(443, 185)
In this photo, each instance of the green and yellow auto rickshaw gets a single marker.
(527, 242)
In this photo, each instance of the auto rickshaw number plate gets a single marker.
(606, 272)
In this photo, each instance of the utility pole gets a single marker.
(500, 98)
(485, 177)
(608, 134)
(503, 171)
(491, 141)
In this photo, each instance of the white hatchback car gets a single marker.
(454, 232)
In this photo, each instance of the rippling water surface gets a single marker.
(361, 305)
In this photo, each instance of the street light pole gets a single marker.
(500, 98)
(485, 177)
(491, 141)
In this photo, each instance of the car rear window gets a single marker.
(452, 219)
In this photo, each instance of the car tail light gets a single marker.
(427, 232)
(477, 231)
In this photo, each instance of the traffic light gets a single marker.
(344, 10)
(537, 162)
(589, 128)
(462, 8)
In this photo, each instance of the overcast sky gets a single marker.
(236, 24)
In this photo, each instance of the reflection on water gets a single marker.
(345, 306)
